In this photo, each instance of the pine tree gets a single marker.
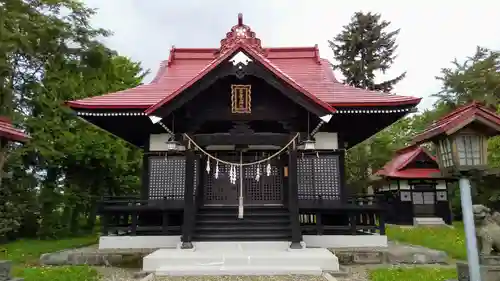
(363, 48)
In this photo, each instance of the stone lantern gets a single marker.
(461, 140)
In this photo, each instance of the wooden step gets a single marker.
(250, 228)
(273, 236)
(248, 221)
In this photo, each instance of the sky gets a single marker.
(432, 33)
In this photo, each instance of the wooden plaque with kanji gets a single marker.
(241, 98)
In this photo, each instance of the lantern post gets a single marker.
(461, 140)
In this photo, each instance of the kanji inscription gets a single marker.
(241, 98)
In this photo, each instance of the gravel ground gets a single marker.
(356, 273)
(116, 273)
(243, 278)
(123, 274)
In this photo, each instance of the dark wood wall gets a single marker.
(210, 111)
(401, 202)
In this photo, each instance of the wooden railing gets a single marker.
(129, 215)
(360, 215)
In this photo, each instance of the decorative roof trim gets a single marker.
(80, 113)
(371, 111)
(241, 33)
(339, 111)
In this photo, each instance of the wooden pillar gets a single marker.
(145, 172)
(200, 189)
(104, 218)
(381, 222)
(343, 188)
(188, 223)
(293, 201)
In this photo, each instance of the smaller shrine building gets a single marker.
(412, 185)
(9, 133)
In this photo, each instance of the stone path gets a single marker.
(244, 278)
(116, 274)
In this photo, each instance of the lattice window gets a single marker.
(305, 178)
(167, 177)
(267, 190)
(319, 177)
(469, 149)
(220, 190)
(423, 198)
(445, 153)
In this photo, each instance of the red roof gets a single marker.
(396, 168)
(301, 67)
(255, 55)
(10, 133)
(458, 119)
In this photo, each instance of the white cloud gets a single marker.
(433, 33)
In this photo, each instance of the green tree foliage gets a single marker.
(49, 54)
(364, 48)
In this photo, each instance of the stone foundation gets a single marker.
(488, 272)
(5, 267)
(93, 256)
(393, 254)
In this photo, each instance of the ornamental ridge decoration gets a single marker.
(240, 33)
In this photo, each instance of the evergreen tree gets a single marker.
(363, 48)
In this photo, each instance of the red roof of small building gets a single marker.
(301, 67)
(458, 119)
(10, 133)
(396, 168)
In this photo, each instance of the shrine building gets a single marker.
(414, 189)
(242, 143)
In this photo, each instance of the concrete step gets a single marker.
(243, 246)
(236, 270)
(241, 257)
(428, 221)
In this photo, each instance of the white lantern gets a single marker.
(309, 145)
(172, 145)
(462, 151)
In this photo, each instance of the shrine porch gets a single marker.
(357, 222)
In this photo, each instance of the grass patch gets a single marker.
(449, 240)
(29, 251)
(25, 255)
(61, 273)
(413, 274)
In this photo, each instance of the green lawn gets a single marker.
(61, 273)
(413, 274)
(449, 240)
(25, 254)
(29, 251)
